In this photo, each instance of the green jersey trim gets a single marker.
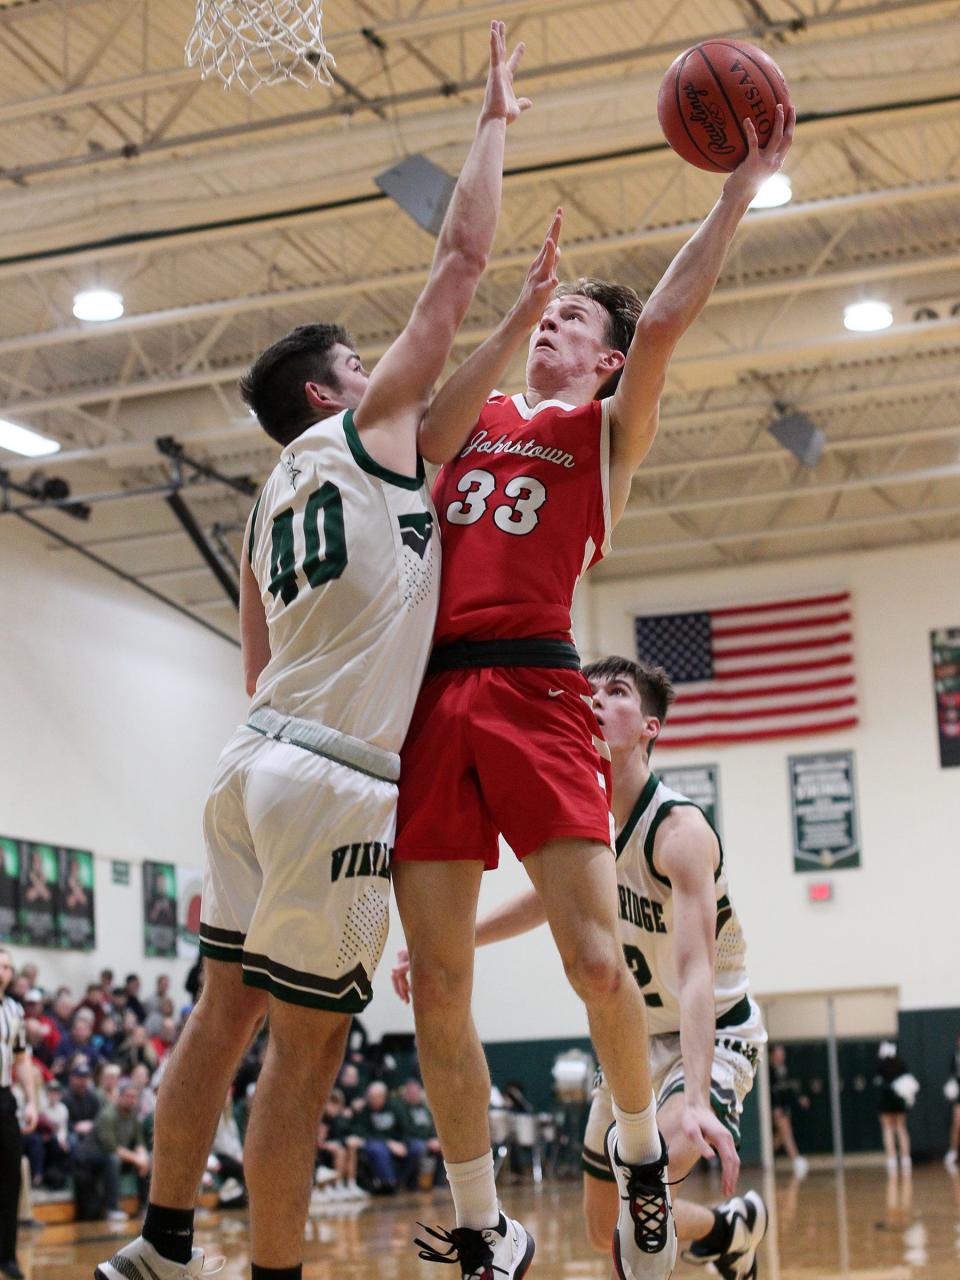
(664, 811)
(371, 466)
(253, 528)
(637, 812)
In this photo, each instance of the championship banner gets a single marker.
(9, 886)
(160, 909)
(76, 929)
(823, 799)
(39, 893)
(698, 782)
(189, 885)
(945, 656)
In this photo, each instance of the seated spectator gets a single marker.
(29, 972)
(54, 1130)
(136, 1048)
(382, 1126)
(63, 1007)
(140, 1076)
(132, 990)
(166, 1038)
(98, 1003)
(107, 1038)
(78, 1042)
(158, 1014)
(82, 1102)
(348, 1082)
(116, 1142)
(106, 983)
(39, 1049)
(421, 1132)
(338, 1147)
(44, 1044)
(107, 1079)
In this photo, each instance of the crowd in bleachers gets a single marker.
(99, 1054)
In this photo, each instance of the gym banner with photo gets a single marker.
(76, 928)
(826, 835)
(189, 885)
(945, 656)
(9, 887)
(37, 908)
(160, 909)
(698, 782)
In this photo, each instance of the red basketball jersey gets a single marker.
(524, 511)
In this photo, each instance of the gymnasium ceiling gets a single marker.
(224, 219)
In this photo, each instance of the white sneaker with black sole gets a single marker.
(139, 1260)
(747, 1219)
(504, 1250)
(645, 1237)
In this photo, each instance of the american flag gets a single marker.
(756, 671)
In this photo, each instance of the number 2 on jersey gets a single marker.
(316, 569)
(520, 517)
(637, 964)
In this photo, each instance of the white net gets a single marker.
(255, 42)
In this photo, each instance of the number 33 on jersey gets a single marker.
(524, 511)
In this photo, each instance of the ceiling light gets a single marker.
(867, 317)
(25, 442)
(98, 305)
(774, 192)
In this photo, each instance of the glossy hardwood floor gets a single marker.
(867, 1226)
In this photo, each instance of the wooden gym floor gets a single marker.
(891, 1230)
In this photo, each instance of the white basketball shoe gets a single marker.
(505, 1250)
(645, 1238)
(746, 1217)
(139, 1260)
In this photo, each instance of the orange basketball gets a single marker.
(709, 91)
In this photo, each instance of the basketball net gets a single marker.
(255, 42)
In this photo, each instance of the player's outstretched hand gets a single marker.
(400, 975)
(542, 277)
(500, 101)
(702, 1128)
(759, 165)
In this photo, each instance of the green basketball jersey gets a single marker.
(646, 916)
(348, 564)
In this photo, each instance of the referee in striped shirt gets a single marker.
(14, 1060)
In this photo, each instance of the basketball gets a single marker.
(707, 93)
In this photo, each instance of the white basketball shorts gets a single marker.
(296, 887)
(735, 1056)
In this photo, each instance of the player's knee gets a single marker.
(439, 990)
(595, 972)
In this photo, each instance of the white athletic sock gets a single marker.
(474, 1192)
(638, 1141)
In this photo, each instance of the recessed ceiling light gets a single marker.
(774, 192)
(98, 305)
(25, 442)
(867, 317)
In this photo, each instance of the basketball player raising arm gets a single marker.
(338, 600)
(501, 739)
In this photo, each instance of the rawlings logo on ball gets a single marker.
(710, 117)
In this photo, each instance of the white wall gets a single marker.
(891, 922)
(115, 709)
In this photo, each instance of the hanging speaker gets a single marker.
(421, 189)
(802, 437)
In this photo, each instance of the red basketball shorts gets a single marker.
(501, 750)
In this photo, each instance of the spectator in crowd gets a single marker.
(165, 1038)
(421, 1132)
(338, 1146)
(115, 1142)
(30, 974)
(35, 1011)
(898, 1089)
(106, 983)
(381, 1125)
(140, 1076)
(37, 1040)
(82, 1102)
(107, 1078)
(161, 994)
(136, 1048)
(348, 1083)
(79, 1042)
(107, 1039)
(63, 1006)
(98, 1004)
(131, 987)
(54, 1130)
(157, 1015)
(194, 980)
(785, 1097)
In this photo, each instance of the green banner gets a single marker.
(76, 928)
(39, 893)
(9, 888)
(699, 783)
(159, 909)
(824, 803)
(945, 656)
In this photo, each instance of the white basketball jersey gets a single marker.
(646, 916)
(348, 564)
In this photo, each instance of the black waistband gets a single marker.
(535, 652)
